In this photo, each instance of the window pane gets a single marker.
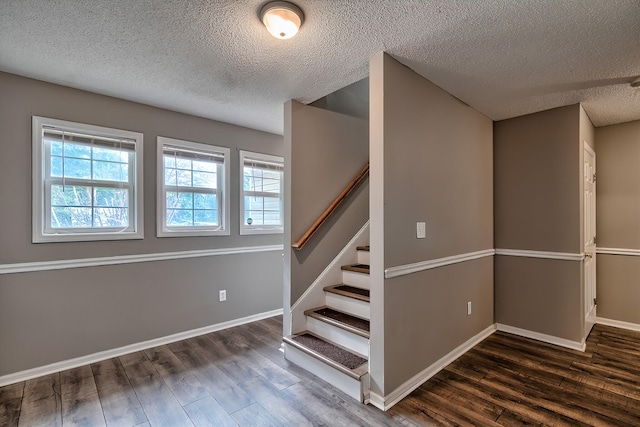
(169, 161)
(179, 217)
(271, 204)
(204, 180)
(111, 197)
(76, 150)
(184, 178)
(110, 171)
(70, 195)
(205, 217)
(56, 166)
(272, 218)
(204, 166)
(170, 177)
(110, 155)
(205, 201)
(271, 185)
(56, 148)
(66, 217)
(183, 163)
(77, 168)
(179, 200)
(255, 216)
(111, 217)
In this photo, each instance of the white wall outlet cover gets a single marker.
(421, 230)
(223, 295)
(469, 308)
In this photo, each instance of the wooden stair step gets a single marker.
(363, 248)
(330, 353)
(337, 318)
(359, 268)
(349, 291)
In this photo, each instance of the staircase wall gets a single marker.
(325, 150)
(431, 161)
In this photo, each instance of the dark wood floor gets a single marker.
(239, 377)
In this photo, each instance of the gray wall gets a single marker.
(51, 316)
(538, 182)
(618, 224)
(327, 150)
(433, 163)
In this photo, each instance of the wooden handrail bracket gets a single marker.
(331, 209)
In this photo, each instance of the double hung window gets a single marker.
(193, 189)
(87, 182)
(261, 193)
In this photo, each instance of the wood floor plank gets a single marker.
(228, 362)
(120, 404)
(80, 401)
(184, 385)
(274, 373)
(319, 408)
(230, 396)
(504, 380)
(10, 404)
(207, 412)
(254, 415)
(416, 413)
(158, 403)
(41, 404)
(286, 411)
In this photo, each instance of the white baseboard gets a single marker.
(385, 403)
(108, 354)
(618, 324)
(550, 339)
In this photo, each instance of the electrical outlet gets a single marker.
(421, 230)
(469, 308)
(223, 295)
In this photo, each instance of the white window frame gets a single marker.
(42, 232)
(223, 187)
(246, 229)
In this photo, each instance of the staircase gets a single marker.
(335, 344)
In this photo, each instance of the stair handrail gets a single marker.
(331, 209)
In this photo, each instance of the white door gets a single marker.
(589, 236)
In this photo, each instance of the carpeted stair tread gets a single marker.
(359, 268)
(330, 351)
(363, 248)
(340, 319)
(349, 291)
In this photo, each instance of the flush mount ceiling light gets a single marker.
(282, 19)
(636, 82)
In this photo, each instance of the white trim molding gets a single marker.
(618, 324)
(565, 256)
(116, 352)
(618, 251)
(29, 267)
(386, 402)
(549, 339)
(402, 270)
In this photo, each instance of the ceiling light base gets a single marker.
(282, 19)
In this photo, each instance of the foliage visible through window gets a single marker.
(193, 181)
(261, 198)
(88, 181)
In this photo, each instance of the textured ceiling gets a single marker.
(214, 58)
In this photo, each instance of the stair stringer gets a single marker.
(314, 296)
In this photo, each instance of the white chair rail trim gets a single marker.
(618, 251)
(566, 256)
(402, 270)
(28, 267)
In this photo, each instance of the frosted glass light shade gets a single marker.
(282, 19)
